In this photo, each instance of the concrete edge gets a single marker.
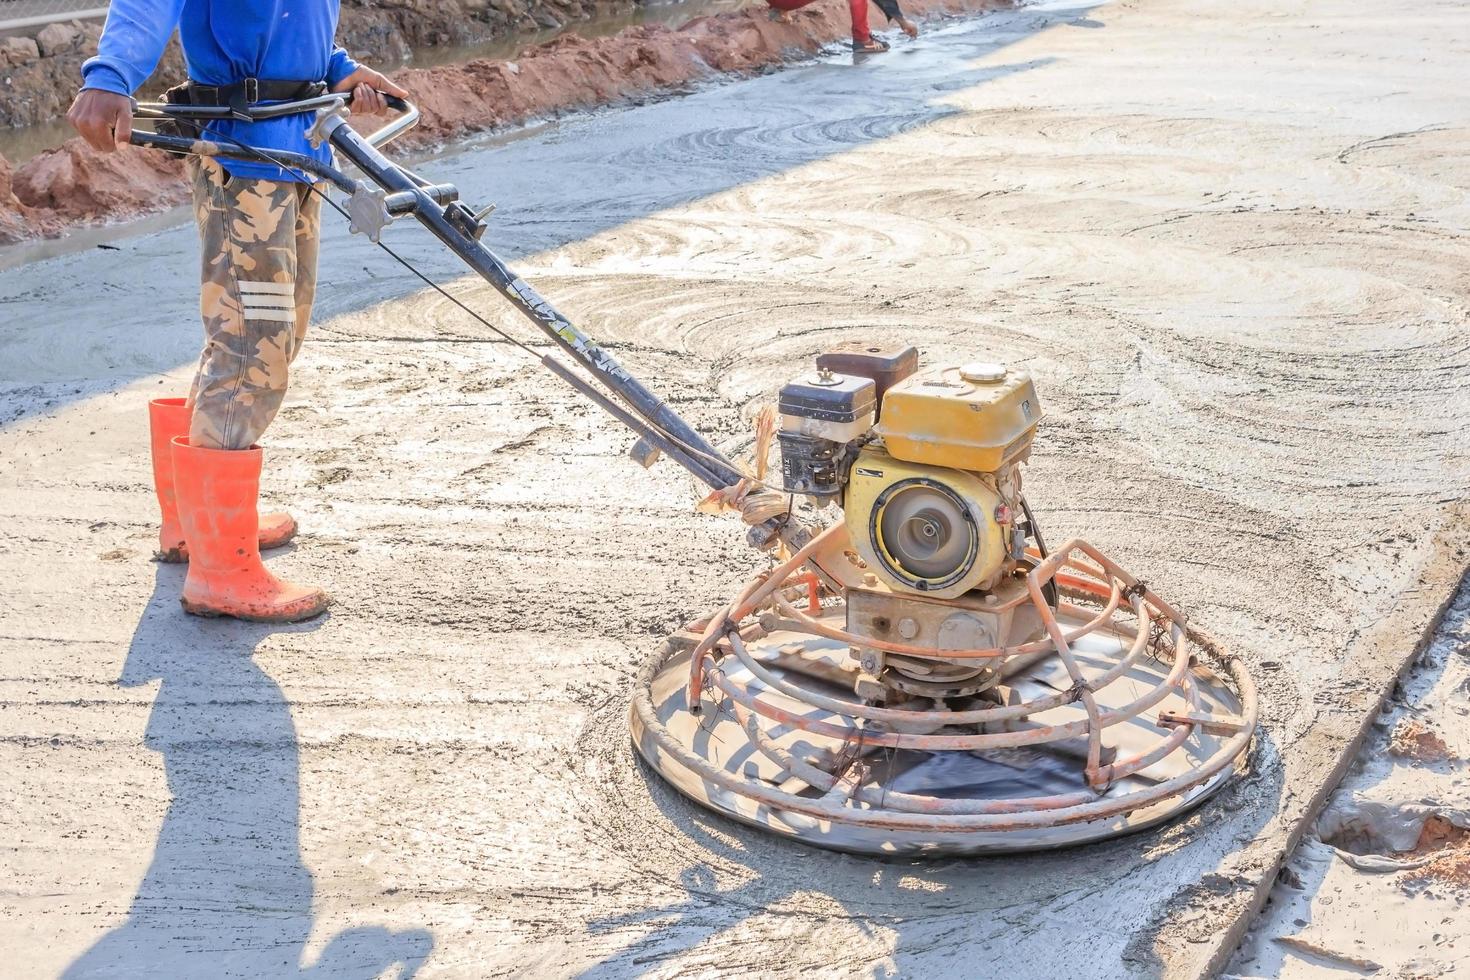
(1447, 569)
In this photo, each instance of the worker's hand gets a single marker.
(103, 118)
(365, 84)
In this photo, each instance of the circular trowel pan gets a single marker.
(670, 739)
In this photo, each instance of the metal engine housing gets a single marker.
(923, 529)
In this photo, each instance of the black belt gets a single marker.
(243, 94)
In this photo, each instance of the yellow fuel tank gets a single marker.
(975, 417)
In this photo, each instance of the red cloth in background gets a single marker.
(857, 8)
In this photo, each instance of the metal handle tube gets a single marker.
(403, 202)
(602, 365)
(227, 151)
(274, 110)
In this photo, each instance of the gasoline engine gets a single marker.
(926, 467)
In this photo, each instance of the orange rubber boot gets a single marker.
(167, 419)
(216, 491)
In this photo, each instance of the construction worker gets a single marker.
(863, 40)
(258, 228)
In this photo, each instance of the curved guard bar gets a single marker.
(408, 118)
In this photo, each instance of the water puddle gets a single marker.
(19, 145)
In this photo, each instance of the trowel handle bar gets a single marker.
(392, 190)
(459, 229)
(268, 110)
(408, 113)
(189, 146)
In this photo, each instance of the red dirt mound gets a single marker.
(1412, 740)
(1449, 847)
(75, 184)
(16, 220)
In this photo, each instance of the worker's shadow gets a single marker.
(228, 892)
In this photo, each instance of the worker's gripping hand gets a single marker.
(365, 86)
(103, 118)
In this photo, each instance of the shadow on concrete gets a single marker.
(228, 892)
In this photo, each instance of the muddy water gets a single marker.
(1226, 239)
(19, 145)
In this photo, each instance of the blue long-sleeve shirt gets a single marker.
(227, 41)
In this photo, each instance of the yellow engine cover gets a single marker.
(927, 530)
(977, 417)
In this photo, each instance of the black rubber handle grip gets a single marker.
(393, 102)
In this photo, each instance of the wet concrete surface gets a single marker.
(1228, 242)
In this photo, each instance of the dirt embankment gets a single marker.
(74, 184)
(38, 76)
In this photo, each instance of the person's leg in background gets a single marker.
(894, 13)
(259, 242)
(862, 37)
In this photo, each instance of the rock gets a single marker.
(17, 51)
(13, 224)
(76, 181)
(55, 39)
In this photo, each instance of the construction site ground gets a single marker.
(1228, 241)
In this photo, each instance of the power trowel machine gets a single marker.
(918, 671)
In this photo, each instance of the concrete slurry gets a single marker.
(1228, 240)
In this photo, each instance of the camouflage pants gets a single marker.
(259, 241)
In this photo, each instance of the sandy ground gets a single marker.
(1227, 239)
